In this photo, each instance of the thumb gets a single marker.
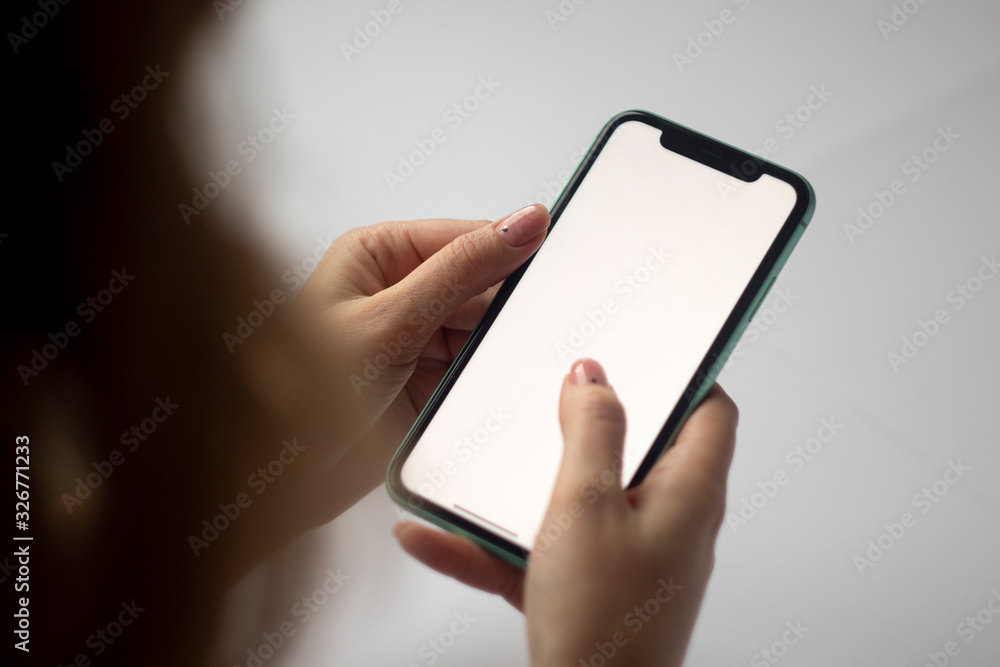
(467, 266)
(593, 425)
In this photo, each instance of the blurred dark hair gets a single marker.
(159, 338)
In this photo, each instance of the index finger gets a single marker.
(693, 472)
(400, 246)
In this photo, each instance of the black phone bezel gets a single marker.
(680, 139)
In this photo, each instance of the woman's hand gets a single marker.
(617, 573)
(393, 303)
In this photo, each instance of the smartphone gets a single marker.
(662, 245)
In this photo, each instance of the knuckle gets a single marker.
(374, 238)
(359, 243)
(600, 407)
(371, 239)
(726, 404)
(352, 237)
(729, 405)
(468, 253)
(707, 501)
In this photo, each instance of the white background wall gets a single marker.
(854, 295)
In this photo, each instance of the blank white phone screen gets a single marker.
(640, 272)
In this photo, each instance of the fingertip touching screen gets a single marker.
(640, 272)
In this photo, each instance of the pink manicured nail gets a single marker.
(523, 225)
(587, 371)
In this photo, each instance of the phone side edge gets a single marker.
(804, 191)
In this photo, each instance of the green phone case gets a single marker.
(755, 293)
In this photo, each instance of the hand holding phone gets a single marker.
(661, 248)
(622, 576)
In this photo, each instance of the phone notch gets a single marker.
(711, 153)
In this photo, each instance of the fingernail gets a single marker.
(523, 225)
(587, 371)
